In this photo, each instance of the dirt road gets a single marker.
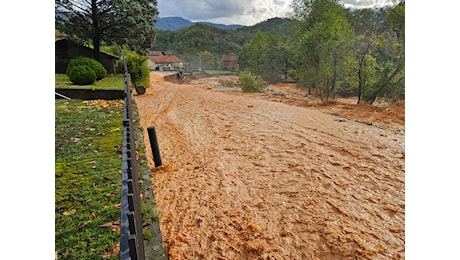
(248, 178)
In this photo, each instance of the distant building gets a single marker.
(230, 62)
(65, 50)
(156, 53)
(164, 62)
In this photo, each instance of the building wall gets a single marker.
(66, 50)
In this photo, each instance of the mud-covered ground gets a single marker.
(263, 176)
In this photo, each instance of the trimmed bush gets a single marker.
(81, 75)
(138, 69)
(95, 65)
(250, 83)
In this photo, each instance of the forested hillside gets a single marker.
(324, 46)
(192, 40)
(204, 45)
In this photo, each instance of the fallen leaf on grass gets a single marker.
(70, 212)
(92, 216)
(116, 227)
(114, 250)
(106, 224)
(110, 194)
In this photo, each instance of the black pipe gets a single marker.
(154, 146)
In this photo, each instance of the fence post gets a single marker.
(154, 146)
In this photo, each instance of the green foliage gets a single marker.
(396, 19)
(95, 65)
(389, 70)
(348, 51)
(130, 23)
(147, 234)
(251, 83)
(252, 52)
(138, 69)
(81, 75)
(323, 44)
(265, 55)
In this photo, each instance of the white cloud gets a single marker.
(245, 12)
(367, 3)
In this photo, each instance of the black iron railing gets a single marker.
(131, 237)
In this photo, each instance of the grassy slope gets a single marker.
(87, 177)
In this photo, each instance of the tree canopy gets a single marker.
(125, 22)
(335, 50)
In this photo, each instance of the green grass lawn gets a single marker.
(220, 72)
(88, 139)
(110, 82)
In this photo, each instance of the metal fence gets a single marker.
(131, 236)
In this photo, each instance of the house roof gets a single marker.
(156, 53)
(229, 58)
(164, 59)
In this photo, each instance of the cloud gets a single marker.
(367, 3)
(245, 12)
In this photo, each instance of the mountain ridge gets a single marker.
(174, 23)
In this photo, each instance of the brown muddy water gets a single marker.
(244, 177)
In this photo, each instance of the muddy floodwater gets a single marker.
(246, 177)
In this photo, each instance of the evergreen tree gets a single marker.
(126, 22)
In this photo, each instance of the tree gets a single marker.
(251, 54)
(365, 63)
(390, 64)
(125, 22)
(323, 43)
(265, 55)
(274, 61)
(206, 59)
(389, 57)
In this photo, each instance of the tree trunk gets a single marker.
(96, 32)
(360, 85)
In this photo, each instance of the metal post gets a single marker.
(154, 146)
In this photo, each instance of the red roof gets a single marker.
(164, 59)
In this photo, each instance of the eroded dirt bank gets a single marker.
(247, 178)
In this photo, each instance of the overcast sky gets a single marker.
(245, 12)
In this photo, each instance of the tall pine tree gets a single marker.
(127, 22)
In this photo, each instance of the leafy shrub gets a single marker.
(138, 69)
(95, 65)
(251, 83)
(81, 75)
(227, 83)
